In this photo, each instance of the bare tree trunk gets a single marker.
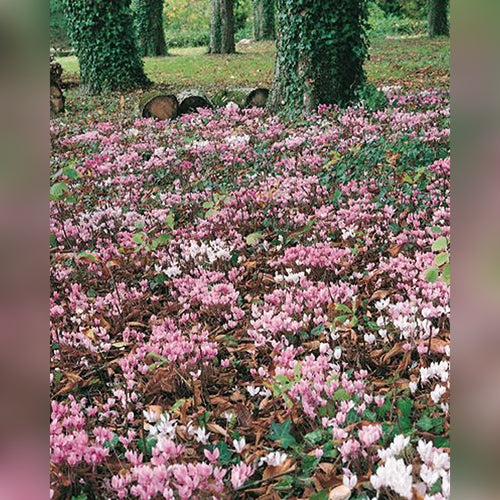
(438, 18)
(263, 20)
(148, 20)
(215, 28)
(222, 27)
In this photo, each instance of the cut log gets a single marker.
(257, 98)
(56, 100)
(162, 107)
(190, 101)
(56, 71)
(244, 97)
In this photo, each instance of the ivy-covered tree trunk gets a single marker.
(321, 48)
(102, 34)
(222, 27)
(148, 17)
(215, 28)
(438, 18)
(263, 20)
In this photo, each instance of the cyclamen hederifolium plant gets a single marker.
(241, 306)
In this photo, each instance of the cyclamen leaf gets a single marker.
(170, 221)
(441, 259)
(446, 274)
(253, 238)
(440, 244)
(425, 423)
(57, 190)
(431, 275)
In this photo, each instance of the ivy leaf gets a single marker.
(225, 456)
(281, 433)
(147, 447)
(406, 406)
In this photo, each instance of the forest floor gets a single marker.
(243, 307)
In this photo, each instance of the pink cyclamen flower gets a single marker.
(370, 434)
(240, 473)
(212, 456)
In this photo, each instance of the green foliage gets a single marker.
(438, 18)
(148, 21)
(441, 264)
(187, 22)
(411, 9)
(392, 23)
(281, 433)
(371, 98)
(264, 20)
(321, 51)
(58, 29)
(102, 34)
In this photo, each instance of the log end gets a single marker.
(191, 103)
(56, 99)
(257, 98)
(161, 107)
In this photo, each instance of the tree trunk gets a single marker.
(148, 17)
(438, 18)
(102, 34)
(321, 48)
(263, 20)
(222, 27)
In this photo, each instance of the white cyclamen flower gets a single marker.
(239, 444)
(394, 474)
(275, 458)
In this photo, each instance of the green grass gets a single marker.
(410, 62)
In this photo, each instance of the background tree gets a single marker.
(438, 18)
(263, 20)
(148, 20)
(321, 48)
(102, 34)
(58, 30)
(222, 27)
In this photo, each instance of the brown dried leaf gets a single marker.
(212, 427)
(270, 471)
(395, 249)
(243, 414)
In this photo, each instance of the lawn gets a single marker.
(411, 62)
